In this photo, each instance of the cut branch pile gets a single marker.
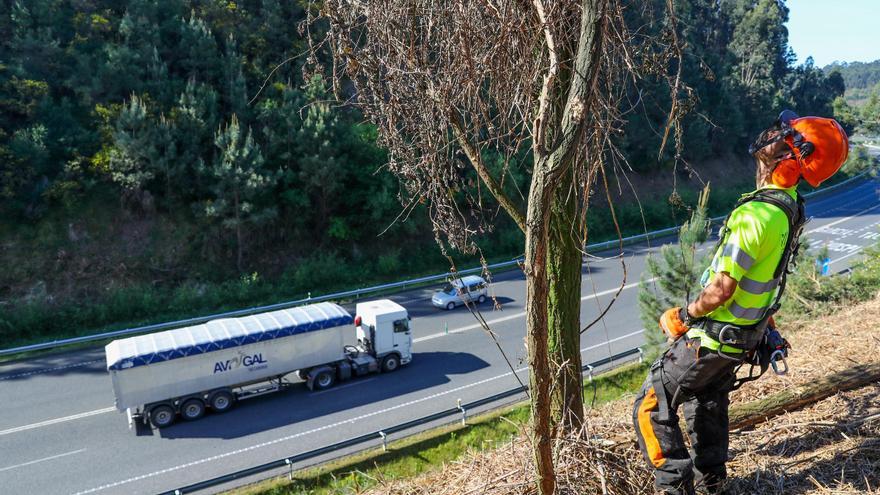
(827, 442)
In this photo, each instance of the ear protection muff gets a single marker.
(787, 173)
(791, 167)
(789, 170)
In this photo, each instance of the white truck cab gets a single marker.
(383, 331)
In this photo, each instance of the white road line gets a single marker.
(342, 387)
(844, 219)
(857, 251)
(295, 435)
(318, 429)
(523, 313)
(603, 344)
(609, 291)
(49, 370)
(56, 421)
(42, 460)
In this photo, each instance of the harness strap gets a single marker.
(794, 212)
(660, 390)
(712, 344)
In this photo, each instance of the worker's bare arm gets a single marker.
(719, 290)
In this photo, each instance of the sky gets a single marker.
(829, 30)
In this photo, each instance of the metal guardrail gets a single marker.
(459, 410)
(597, 247)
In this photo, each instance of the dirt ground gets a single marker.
(831, 447)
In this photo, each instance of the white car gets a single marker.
(460, 291)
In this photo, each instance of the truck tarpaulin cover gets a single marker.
(223, 334)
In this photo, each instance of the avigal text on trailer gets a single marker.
(252, 362)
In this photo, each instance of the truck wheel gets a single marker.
(450, 306)
(162, 416)
(222, 401)
(390, 363)
(324, 380)
(481, 299)
(192, 409)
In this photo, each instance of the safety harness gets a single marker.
(724, 333)
(756, 344)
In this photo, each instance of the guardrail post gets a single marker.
(463, 413)
(384, 441)
(641, 356)
(590, 373)
(289, 473)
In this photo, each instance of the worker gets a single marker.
(725, 325)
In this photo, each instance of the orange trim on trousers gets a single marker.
(648, 405)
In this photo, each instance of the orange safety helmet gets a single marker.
(819, 147)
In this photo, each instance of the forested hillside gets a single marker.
(169, 157)
(861, 79)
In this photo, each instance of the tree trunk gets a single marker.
(564, 309)
(792, 399)
(537, 286)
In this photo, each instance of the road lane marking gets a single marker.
(840, 220)
(603, 344)
(56, 421)
(420, 339)
(42, 460)
(49, 370)
(847, 255)
(628, 286)
(523, 313)
(343, 387)
(315, 430)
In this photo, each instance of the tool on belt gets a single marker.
(772, 351)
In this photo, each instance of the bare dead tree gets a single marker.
(458, 86)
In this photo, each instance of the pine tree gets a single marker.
(241, 183)
(676, 275)
(133, 157)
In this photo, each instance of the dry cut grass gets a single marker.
(831, 447)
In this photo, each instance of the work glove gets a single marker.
(672, 323)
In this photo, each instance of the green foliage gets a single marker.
(860, 78)
(869, 116)
(240, 183)
(810, 91)
(675, 277)
(860, 160)
(810, 295)
(846, 115)
(739, 65)
(122, 101)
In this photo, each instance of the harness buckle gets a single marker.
(729, 341)
(776, 356)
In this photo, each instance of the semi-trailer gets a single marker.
(189, 371)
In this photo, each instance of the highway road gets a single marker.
(60, 434)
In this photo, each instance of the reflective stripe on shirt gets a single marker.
(746, 313)
(757, 288)
(741, 257)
